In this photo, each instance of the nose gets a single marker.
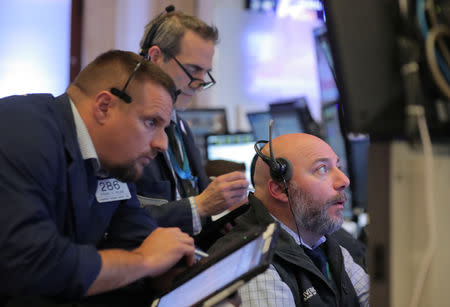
(159, 142)
(341, 182)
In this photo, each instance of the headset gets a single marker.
(144, 53)
(280, 168)
(148, 41)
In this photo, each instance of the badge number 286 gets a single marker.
(111, 189)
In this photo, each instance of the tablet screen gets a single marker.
(217, 276)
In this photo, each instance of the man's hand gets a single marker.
(164, 247)
(222, 193)
(159, 252)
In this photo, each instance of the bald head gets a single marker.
(288, 146)
(316, 189)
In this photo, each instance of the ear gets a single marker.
(276, 190)
(155, 54)
(104, 102)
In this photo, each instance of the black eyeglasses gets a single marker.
(195, 83)
(121, 93)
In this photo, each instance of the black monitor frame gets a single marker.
(366, 58)
(382, 70)
(299, 107)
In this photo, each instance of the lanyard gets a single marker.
(185, 172)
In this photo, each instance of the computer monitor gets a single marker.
(289, 116)
(285, 122)
(325, 67)
(293, 116)
(332, 130)
(259, 122)
(203, 121)
(383, 66)
(236, 147)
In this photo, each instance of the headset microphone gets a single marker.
(280, 168)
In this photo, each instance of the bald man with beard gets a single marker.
(309, 267)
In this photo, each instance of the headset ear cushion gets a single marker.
(283, 173)
(252, 169)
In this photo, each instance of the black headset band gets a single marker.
(280, 168)
(148, 41)
(260, 154)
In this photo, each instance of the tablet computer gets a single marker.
(215, 277)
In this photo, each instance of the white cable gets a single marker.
(429, 204)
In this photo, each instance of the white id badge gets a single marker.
(111, 189)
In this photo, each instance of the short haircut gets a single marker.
(113, 68)
(171, 28)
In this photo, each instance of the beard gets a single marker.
(312, 214)
(125, 172)
(128, 171)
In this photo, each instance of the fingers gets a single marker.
(236, 175)
(229, 185)
(239, 185)
(162, 249)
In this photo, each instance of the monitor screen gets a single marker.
(217, 276)
(292, 116)
(289, 116)
(285, 122)
(237, 147)
(259, 121)
(333, 135)
(325, 67)
(230, 267)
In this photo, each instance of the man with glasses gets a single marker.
(175, 187)
(70, 225)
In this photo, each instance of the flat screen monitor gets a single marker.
(366, 54)
(285, 122)
(259, 122)
(236, 147)
(333, 135)
(293, 115)
(325, 67)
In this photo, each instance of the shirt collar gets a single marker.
(296, 238)
(84, 139)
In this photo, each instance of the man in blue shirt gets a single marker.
(70, 224)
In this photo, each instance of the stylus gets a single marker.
(200, 253)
